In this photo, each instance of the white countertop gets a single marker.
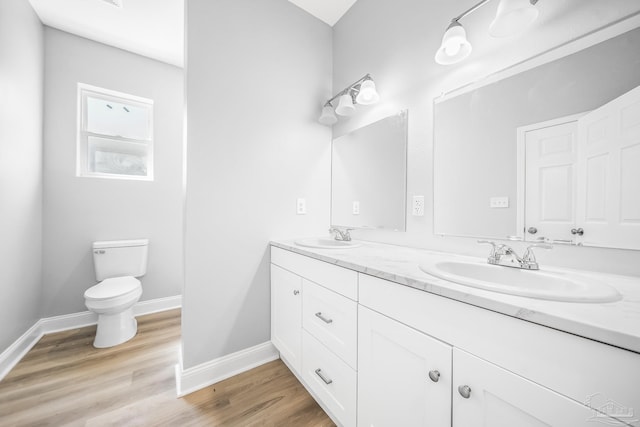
(615, 323)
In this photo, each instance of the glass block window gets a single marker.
(115, 134)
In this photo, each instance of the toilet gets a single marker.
(117, 264)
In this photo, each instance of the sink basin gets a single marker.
(326, 243)
(547, 285)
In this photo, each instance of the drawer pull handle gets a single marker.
(465, 391)
(296, 292)
(324, 319)
(434, 376)
(322, 377)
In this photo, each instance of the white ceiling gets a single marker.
(329, 11)
(152, 28)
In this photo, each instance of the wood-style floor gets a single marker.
(65, 381)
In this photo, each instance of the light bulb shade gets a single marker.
(368, 94)
(345, 106)
(513, 17)
(455, 47)
(328, 117)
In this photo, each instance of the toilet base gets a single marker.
(114, 329)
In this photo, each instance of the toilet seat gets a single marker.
(113, 288)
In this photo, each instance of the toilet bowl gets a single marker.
(117, 264)
(113, 300)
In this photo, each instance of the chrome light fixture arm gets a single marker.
(362, 91)
(455, 47)
(352, 90)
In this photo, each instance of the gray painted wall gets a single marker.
(257, 75)
(396, 42)
(78, 211)
(21, 68)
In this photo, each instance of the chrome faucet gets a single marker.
(345, 235)
(504, 255)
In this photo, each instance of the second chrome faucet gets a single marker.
(504, 255)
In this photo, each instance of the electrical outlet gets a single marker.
(499, 202)
(418, 206)
(301, 206)
(356, 208)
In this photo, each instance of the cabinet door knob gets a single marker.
(465, 391)
(578, 231)
(532, 230)
(326, 380)
(434, 376)
(296, 292)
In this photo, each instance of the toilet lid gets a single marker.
(111, 288)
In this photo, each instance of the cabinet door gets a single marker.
(499, 398)
(394, 367)
(286, 315)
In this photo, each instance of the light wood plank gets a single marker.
(65, 381)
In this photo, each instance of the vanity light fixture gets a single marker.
(361, 92)
(512, 17)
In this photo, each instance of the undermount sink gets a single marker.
(547, 285)
(326, 243)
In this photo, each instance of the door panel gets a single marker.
(608, 198)
(550, 179)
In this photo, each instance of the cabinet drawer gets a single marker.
(332, 381)
(338, 279)
(332, 319)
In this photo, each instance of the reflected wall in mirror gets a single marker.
(481, 180)
(369, 176)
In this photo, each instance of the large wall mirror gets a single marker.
(369, 176)
(548, 154)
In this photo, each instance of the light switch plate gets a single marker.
(499, 202)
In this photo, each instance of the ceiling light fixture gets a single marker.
(362, 92)
(512, 17)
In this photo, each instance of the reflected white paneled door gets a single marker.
(550, 179)
(495, 397)
(404, 376)
(608, 203)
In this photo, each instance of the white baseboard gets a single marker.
(16, 351)
(157, 305)
(20, 347)
(206, 374)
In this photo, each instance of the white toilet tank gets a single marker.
(120, 258)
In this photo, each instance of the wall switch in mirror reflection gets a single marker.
(301, 206)
(356, 207)
(418, 206)
(499, 202)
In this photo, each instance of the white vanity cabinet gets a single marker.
(316, 332)
(404, 376)
(505, 371)
(377, 353)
